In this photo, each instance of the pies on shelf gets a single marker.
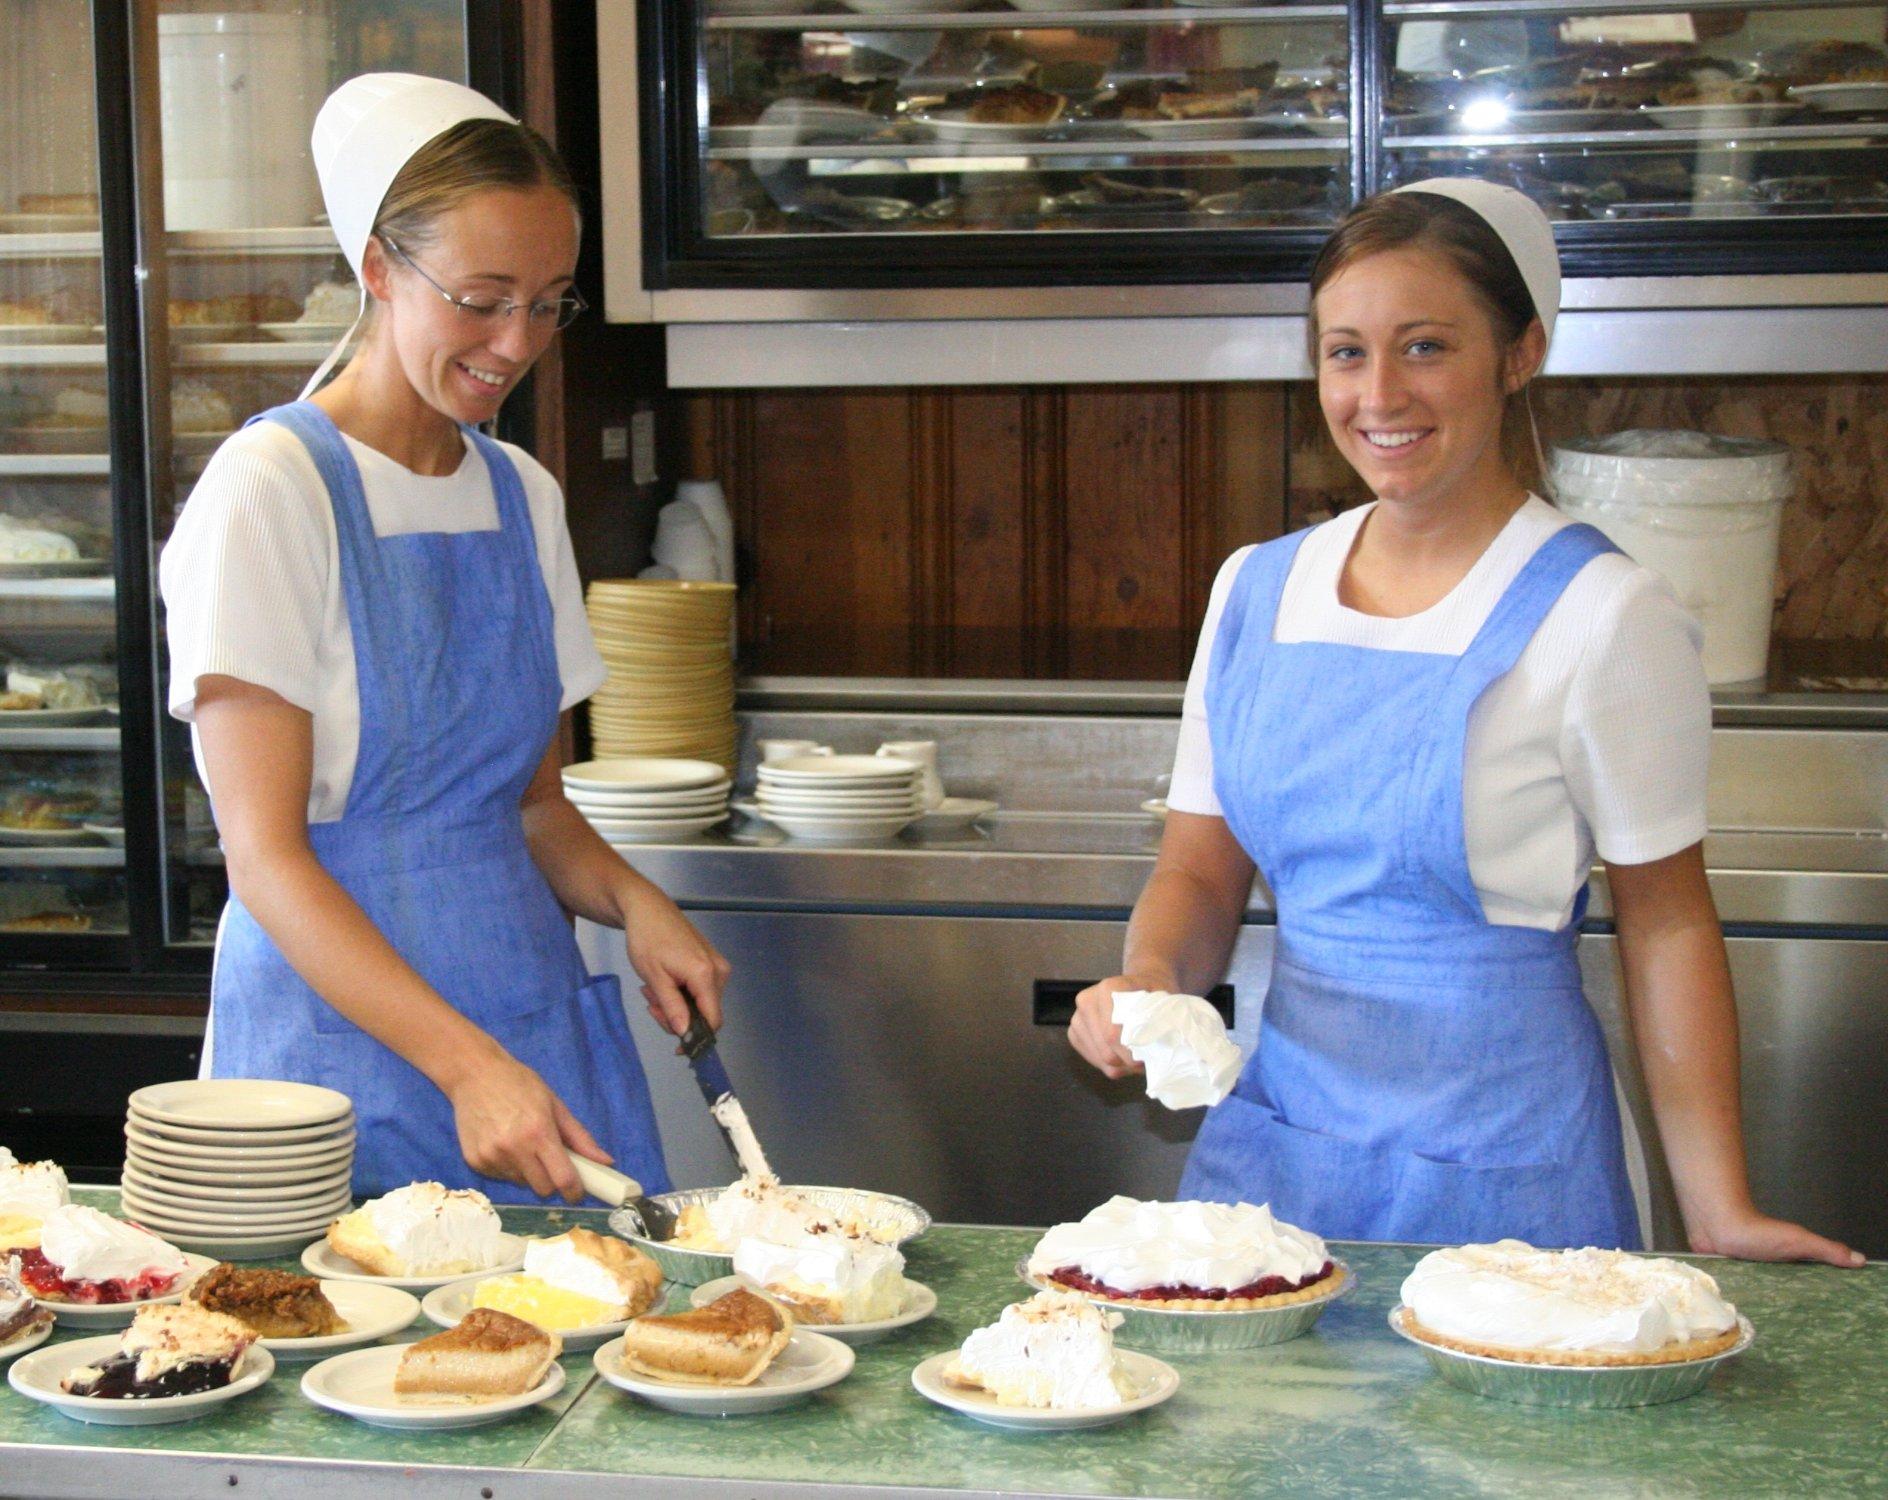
(731, 1341)
(1056, 1350)
(270, 1304)
(1186, 1257)
(488, 1354)
(1509, 1301)
(89, 1257)
(1015, 104)
(175, 1350)
(422, 1229)
(579, 1279)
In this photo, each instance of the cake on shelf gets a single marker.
(1508, 1300)
(422, 1229)
(175, 1350)
(1054, 1351)
(578, 1279)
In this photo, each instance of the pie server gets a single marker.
(711, 1077)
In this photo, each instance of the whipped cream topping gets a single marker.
(1182, 1043)
(1055, 1350)
(1593, 1301)
(161, 1338)
(857, 1272)
(32, 1188)
(83, 1244)
(1129, 1245)
(732, 1118)
(760, 1208)
(433, 1230)
(561, 1264)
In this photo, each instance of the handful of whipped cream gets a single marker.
(1182, 1043)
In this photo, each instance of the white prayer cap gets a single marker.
(368, 129)
(1520, 225)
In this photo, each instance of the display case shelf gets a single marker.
(61, 857)
(102, 588)
(940, 156)
(103, 739)
(1022, 20)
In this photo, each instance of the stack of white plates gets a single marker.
(671, 686)
(240, 1168)
(834, 799)
(647, 799)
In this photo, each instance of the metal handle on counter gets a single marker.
(1054, 1002)
(608, 1184)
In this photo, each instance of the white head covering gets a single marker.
(1520, 225)
(369, 128)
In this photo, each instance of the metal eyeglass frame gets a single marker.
(500, 307)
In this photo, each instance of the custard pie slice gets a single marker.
(488, 1354)
(728, 1342)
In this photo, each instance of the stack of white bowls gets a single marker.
(666, 644)
(240, 1168)
(840, 799)
(648, 799)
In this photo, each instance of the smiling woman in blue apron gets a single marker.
(1420, 721)
(375, 621)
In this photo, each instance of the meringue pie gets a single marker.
(422, 1229)
(578, 1279)
(1056, 1351)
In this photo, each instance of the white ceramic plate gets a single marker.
(814, 829)
(687, 797)
(1154, 1380)
(243, 1105)
(1155, 807)
(49, 718)
(237, 1196)
(43, 838)
(311, 1138)
(1844, 97)
(919, 1303)
(953, 813)
(74, 567)
(331, 1199)
(837, 770)
(370, 1312)
(270, 1246)
(303, 333)
(320, 1260)
(655, 831)
(38, 1375)
(1717, 116)
(105, 831)
(907, 7)
(174, 1223)
(210, 333)
(217, 1176)
(31, 1339)
(120, 1314)
(644, 773)
(955, 127)
(447, 1305)
(359, 1384)
(47, 333)
(810, 1362)
(305, 1154)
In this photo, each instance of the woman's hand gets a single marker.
(1093, 1032)
(512, 1126)
(1756, 1236)
(672, 958)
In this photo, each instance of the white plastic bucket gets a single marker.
(238, 95)
(1705, 512)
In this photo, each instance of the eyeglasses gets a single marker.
(541, 315)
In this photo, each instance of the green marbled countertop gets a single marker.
(1347, 1409)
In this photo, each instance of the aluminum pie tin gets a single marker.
(693, 1267)
(1190, 1332)
(1586, 1386)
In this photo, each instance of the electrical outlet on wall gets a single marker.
(615, 443)
(642, 446)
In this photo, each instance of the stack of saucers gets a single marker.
(240, 1168)
(671, 684)
(642, 799)
(840, 799)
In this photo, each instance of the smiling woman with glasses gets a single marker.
(375, 622)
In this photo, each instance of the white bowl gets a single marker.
(810, 1362)
(1154, 1380)
(244, 1105)
(359, 1384)
(838, 770)
(37, 1376)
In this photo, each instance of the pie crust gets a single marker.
(1668, 1354)
(1322, 1287)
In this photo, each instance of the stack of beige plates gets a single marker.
(240, 1168)
(671, 685)
(839, 799)
(645, 799)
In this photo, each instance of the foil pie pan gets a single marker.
(1589, 1386)
(1189, 1332)
(692, 1267)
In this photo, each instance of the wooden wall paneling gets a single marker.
(1045, 526)
(985, 579)
(730, 448)
(932, 500)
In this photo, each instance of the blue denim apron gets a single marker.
(1421, 1073)
(459, 695)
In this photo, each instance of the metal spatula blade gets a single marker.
(620, 1190)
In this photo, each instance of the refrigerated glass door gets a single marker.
(62, 859)
(250, 291)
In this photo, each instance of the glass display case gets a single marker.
(161, 280)
(959, 143)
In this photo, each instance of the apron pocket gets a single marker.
(1446, 1202)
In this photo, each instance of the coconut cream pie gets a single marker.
(827, 1278)
(90, 1257)
(174, 1350)
(420, 1230)
(1055, 1350)
(760, 1208)
(28, 1192)
(1566, 1307)
(575, 1280)
(1185, 1257)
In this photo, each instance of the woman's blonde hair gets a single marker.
(1429, 221)
(470, 158)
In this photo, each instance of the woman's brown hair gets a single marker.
(470, 158)
(1429, 221)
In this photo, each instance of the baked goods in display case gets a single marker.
(175, 1350)
(729, 1342)
(423, 1229)
(578, 1279)
(270, 1304)
(487, 1354)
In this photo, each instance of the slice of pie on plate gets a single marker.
(423, 1229)
(1055, 1351)
(578, 1279)
(271, 1304)
(489, 1354)
(169, 1350)
(731, 1341)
